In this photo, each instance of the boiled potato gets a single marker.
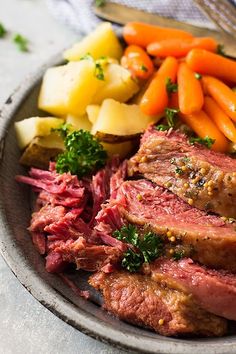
(122, 149)
(29, 128)
(79, 122)
(93, 111)
(41, 150)
(101, 42)
(120, 119)
(119, 84)
(68, 89)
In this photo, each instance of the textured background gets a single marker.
(25, 325)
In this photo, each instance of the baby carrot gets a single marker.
(180, 47)
(189, 90)
(222, 121)
(208, 63)
(155, 98)
(143, 34)
(138, 62)
(222, 94)
(203, 126)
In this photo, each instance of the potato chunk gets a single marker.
(101, 42)
(68, 89)
(122, 149)
(79, 122)
(120, 119)
(93, 111)
(118, 84)
(27, 129)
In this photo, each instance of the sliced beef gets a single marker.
(200, 176)
(48, 214)
(214, 291)
(206, 238)
(142, 301)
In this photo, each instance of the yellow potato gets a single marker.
(121, 119)
(101, 42)
(93, 111)
(122, 149)
(27, 129)
(119, 84)
(68, 89)
(79, 122)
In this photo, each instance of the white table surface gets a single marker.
(25, 325)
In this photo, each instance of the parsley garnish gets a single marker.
(63, 130)
(21, 42)
(171, 86)
(100, 3)
(144, 68)
(198, 76)
(84, 154)
(207, 141)
(178, 255)
(99, 73)
(162, 127)
(220, 50)
(179, 171)
(148, 248)
(3, 30)
(171, 116)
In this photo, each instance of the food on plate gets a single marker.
(153, 218)
(101, 42)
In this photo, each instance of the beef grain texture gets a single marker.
(205, 238)
(140, 300)
(193, 172)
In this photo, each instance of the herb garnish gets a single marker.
(207, 141)
(170, 114)
(144, 68)
(100, 3)
(179, 171)
(84, 154)
(220, 50)
(162, 127)
(3, 30)
(148, 247)
(98, 72)
(171, 86)
(21, 42)
(178, 255)
(198, 76)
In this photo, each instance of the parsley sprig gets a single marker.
(207, 141)
(147, 248)
(83, 155)
(171, 86)
(98, 72)
(170, 115)
(3, 30)
(21, 42)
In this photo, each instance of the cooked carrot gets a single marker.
(180, 47)
(143, 34)
(208, 63)
(204, 127)
(222, 121)
(222, 94)
(189, 90)
(138, 62)
(155, 98)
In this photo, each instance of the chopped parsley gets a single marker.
(98, 72)
(100, 3)
(21, 42)
(171, 116)
(83, 155)
(207, 141)
(3, 31)
(171, 86)
(198, 76)
(144, 68)
(220, 50)
(162, 127)
(179, 171)
(177, 255)
(147, 248)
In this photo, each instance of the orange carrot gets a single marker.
(222, 94)
(155, 98)
(204, 127)
(138, 62)
(189, 90)
(222, 121)
(180, 47)
(143, 34)
(208, 63)
(174, 100)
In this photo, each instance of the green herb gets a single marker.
(207, 141)
(99, 73)
(147, 248)
(84, 154)
(171, 116)
(63, 130)
(87, 56)
(186, 159)
(3, 30)
(162, 127)
(179, 171)
(177, 255)
(100, 3)
(144, 68)
(170, 86)
(220, 50)
(21, 42)
(198, 76)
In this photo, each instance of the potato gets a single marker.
(41, 150)
(68, 89)
(93, 111)
(119, 84)
(81, 122)
(101, 42)
(120, 119)
(29, 128)
(122, 149)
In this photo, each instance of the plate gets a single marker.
(28, 266)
